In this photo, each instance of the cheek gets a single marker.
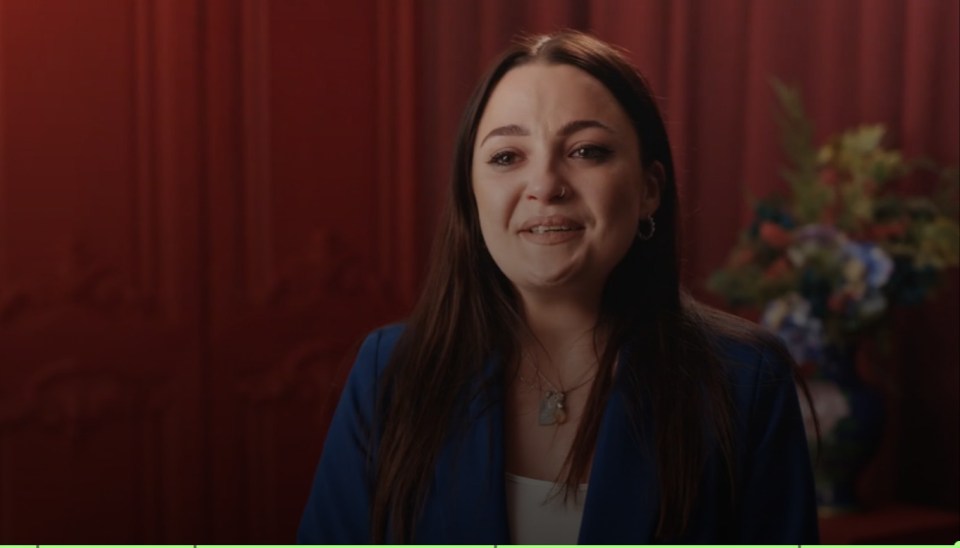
(493, 206)
(621, 208)
(486, 211)
(619, 216)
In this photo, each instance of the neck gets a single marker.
(562, 338)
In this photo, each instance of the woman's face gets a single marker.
(558, 179)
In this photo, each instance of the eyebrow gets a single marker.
(567, 130)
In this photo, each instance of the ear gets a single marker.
(653, 180)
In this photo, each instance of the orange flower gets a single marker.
(889, 230)
(741, 257)
(779, 268)
(829, 216)
(829, 176)
(774, 235)
(838, 301)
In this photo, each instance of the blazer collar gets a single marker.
(622, 502)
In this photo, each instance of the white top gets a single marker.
(537, 513)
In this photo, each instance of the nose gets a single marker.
(546, 183)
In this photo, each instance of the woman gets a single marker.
(554, 384)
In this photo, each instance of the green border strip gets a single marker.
(957, 543)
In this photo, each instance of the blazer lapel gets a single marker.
(467, 499)
(622, 504)
(467, 502)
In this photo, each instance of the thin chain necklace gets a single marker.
(553, 409)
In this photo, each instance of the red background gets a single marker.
(205, 204)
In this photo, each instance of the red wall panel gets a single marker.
(68, 119)
(98, 300)
(198, 221)
(304, 243)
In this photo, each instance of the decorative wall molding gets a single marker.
(161, 292)
(106, 348)
(327, 268)
(97, 284)
(83, 281)
(70, 398)
(309, 378)
(71, 395)
(301, 375)
(314, 284)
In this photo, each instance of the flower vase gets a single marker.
(851, 415)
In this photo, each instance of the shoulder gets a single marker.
(755, 361)
(744, 348)
(371, 360)
(762, 380)
(762, 384)
(376, 349)
(380, 342)
(761, 354)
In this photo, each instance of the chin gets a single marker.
(551, 279)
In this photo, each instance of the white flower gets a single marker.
(791, 318)
(831, 404)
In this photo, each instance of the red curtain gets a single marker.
(205, 203)
(866, 61)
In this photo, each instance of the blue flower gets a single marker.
(867, 263)
(791, 318)
(865, 270)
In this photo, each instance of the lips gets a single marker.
(552, 230)
(553, 223)
(541, 229)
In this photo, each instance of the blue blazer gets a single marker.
(466, 503)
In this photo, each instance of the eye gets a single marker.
(504, 158)
(591, 152)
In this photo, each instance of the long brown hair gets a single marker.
(468, 312)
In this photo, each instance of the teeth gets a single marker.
(544, 229)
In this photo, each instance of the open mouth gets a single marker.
(545, 229)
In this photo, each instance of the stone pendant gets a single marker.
(552, 410)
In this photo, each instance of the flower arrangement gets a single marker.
(826, 263)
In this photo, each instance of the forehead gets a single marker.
(551, 95)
